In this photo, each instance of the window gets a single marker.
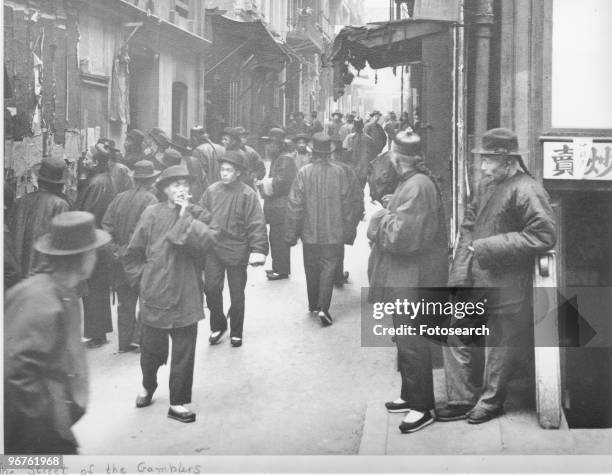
(581, 64)
(179, 109)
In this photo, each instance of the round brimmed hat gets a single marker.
(160, 137)
(499, 141)
(277, 134)
(144, 170)
(407, 143)
(375, 112)
(108, 143)
(338, 113)
(170, 174)
(241, 130)
(234, 157)
(71, 233)
(301, 136)
(171, 158)
(51, 170)
(136, 135)
(321, 144)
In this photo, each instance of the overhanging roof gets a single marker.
(384, 44)
(255, 36)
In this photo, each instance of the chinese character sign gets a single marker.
(578, 159)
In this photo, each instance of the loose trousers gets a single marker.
(97, 320)
(214, 275)
(320, 266)
(127, 323)
(279, 249)
(339, 278)
(414, 361)
(507, 335)
(154, 353)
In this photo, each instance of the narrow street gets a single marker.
(292, 388)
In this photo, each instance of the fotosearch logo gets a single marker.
(426, 308)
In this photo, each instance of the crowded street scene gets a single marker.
(305, 227)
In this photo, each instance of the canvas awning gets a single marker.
(385, 44)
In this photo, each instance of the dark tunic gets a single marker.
(319, 209)
(315, 127)
(508, 224)
(120, 221)
(256, 168)
(97, 196)
(237, 214)
(208, 154)
(356, 191)
(164, 258)
(410, 245)
(45, 372)
(375, 131)
(120, 175)
(282, 172)
(30, 220)
(360, 150)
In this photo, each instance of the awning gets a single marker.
(255, 37)
(381, 45)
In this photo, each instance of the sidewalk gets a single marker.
(515, 432)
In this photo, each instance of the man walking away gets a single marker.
(255, 166)
(275, 189)
(359, 147)
(409, 252)
(33, 212)
(319, 213)
(45, 372)
(120, 221)
(391, 128)
(208, 154)
(237, 214)
(508, 223)
(164, 261)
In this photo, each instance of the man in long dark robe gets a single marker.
(208, 154)
(507, 224)
(319, 212)
(375, 131)
(359, 147)
(32, 213)
(120, 221)
(236, 212)
(255, 166)
(164, 261)
(95, 199)
(409, 252)
(275, 189)
(45, 371)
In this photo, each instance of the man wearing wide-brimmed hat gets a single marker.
(164, 260)
(319, 213)
(120, 221)
(236, 212)
(45, 373)
(95, 199)
(508, 223)
(302, 154)
(208, 153)
(32, 213)
(375, 131)
(118, 171)
(275, 189)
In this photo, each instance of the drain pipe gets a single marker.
(483, 25)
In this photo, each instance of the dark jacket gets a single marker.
(375, 131)
(360, 150)
(120, 221)
(236, 213)
(507, 224)
(282, 171)
(356, 191)
(120, 174)
(97, 196)
(164, 258)
(319, 209)
(208, 154)
(256, 168)
(30, 219)
(45, 372)
(409, 240)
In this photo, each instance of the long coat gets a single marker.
(282, 172)
(30, 220)
(45, 372)
(356, 191)
(319, 209)
(208, 154)
(375, 131)
(360, 150)
(236, 213)
(409, 240)
(507, 224)
(164, 260)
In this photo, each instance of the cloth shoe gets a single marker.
(452, 413)
(181, 416)
(393, 406)
(424, 421)
(325, 317)
(214, 337)
(478, 415)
